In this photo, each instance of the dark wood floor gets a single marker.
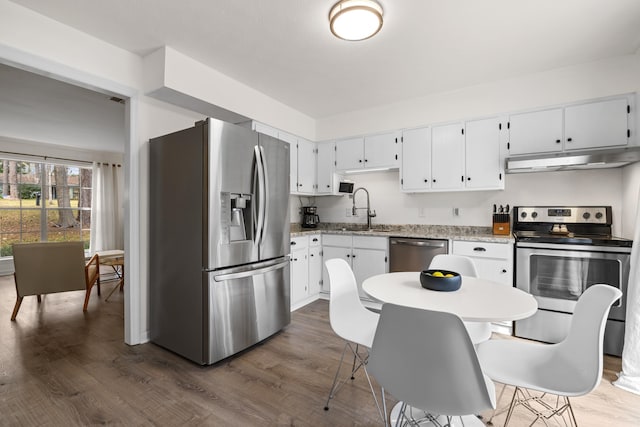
(60, 366)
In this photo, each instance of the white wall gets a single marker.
(609, 77)
(549, 188)
(630, 199)
(38, 108)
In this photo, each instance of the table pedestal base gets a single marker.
(418, 414)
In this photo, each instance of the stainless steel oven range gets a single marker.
(559, 252)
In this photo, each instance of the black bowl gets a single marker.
(445, 284)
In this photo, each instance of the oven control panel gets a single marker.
(564, 215)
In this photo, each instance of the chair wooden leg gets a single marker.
(16, 308)
(86, 298)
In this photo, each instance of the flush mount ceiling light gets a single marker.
(355, 19)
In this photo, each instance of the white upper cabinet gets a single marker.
(325, 167)
(293, 156)
(306, 166)
(482, 154)
(369, 152)
(350, 154)
(596, 124)
(447, 157)
(381, 151)
(535, 132)
(415, 171)
(600, 123)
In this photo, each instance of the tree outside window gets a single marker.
(43, 202)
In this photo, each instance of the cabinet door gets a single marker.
(315, 270)
(299, 275)
(367, 263)
(482, 154)
(416, 159)
(330, 252)
(325, 168)
(293, 160)
(306, 166)
(447, 157)
(498, 270)
(597, 124)
(350, 154)
(381, 150)
(535, 132)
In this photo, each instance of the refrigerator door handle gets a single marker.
(261, 195)
(264, 202)
(249, 273)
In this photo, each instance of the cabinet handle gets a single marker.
(365, 160)
(434, 180)
(568, 139)
(315, 239)
(328, 186)
(557, 141)
(468, 178)
(293, 243)
(348, 255)
(360, 161)
(310, 254)
(479, 249)
(353, 256)
(504, 271)
(426, 180)
(295, 259)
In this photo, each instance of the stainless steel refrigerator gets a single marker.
(219, 240)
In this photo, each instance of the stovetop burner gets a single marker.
(575, 225)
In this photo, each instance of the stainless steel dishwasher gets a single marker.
(409, 254)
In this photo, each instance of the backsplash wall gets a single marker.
(589, 187)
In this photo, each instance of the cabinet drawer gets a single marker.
(370, 242)
(337, 240)
(299, 242)
(483, 249)
(314, 240)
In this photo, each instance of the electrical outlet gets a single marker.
(421, 213)
(456, 212)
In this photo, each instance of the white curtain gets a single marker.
(107, 210)
(629, 378)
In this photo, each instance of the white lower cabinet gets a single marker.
(367, 256)
(494, 261)
(315, 265)
(306, 272)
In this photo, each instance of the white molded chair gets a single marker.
(351, 321)
(569, 368)
(478, 331)
(427, 361)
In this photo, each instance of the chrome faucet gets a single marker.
(370, 213)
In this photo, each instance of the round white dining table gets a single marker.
(477, 300)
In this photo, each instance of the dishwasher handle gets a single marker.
(431, 243)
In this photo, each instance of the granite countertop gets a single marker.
(454, 232)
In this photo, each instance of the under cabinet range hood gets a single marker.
(596, 159)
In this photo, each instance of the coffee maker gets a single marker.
(310, 218)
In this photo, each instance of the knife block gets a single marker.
(501, 224)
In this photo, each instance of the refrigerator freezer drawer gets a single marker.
(245, 306)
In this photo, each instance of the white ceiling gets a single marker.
(284, 48)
